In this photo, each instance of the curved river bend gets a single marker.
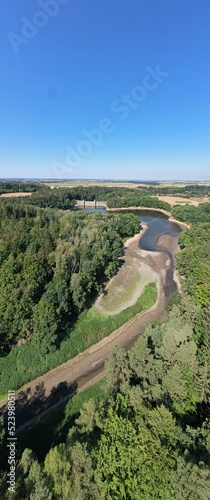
(158, 224)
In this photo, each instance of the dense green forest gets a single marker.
(147, 433)
(193, 262)
(188, 191)
(135, 199)
(147, 438)
(24, 187)
(191, 214)
(45, 198)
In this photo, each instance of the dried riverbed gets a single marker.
(42, 395)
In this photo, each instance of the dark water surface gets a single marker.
(94, 209)
(156, 226)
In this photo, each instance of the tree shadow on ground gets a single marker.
(30, 405)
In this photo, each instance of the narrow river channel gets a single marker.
(158, 225)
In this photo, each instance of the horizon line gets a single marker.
(4, 179)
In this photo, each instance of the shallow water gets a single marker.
(94, 210)
(156, 226)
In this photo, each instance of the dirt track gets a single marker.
(39, 396)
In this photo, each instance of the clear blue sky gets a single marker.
(83, 64)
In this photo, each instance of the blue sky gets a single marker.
(115, 89)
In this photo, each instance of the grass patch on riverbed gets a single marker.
(91, 327)
(125, 288)
(95, 325)
(53, 429)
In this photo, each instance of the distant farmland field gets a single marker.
(12, 195)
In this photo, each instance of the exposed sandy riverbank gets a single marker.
(169, 242)
(124, 289)
(182, 225)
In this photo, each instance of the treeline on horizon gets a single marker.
(188, 191)
(92, 192)
(65, 198)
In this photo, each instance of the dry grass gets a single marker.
(120, 296)
(84, 183)
(13, 195)
(178, 200)
(74, 184)
(181, 184)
